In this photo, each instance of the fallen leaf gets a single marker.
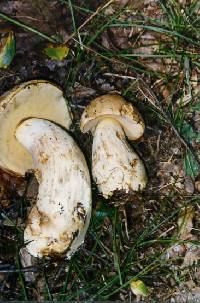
(56, 52)
(138, 288)
(7, 49)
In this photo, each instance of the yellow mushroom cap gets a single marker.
(32, 99)
(115, 107)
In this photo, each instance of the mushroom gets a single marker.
(33, 119)
(115, 166)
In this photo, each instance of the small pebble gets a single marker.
(197, 186)
(189, 186)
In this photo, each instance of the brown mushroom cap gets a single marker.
(115, 107)
(33, 99)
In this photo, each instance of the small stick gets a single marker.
(166, 232)
(13, 270)
(120, 76)
(125, 222)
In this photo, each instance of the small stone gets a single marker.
(189, 186)
(190, 284)
(197, 186)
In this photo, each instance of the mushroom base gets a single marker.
(115, 166)
(122, 197)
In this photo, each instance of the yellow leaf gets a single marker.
(139, 288)
(56, 52)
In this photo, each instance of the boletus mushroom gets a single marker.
(33, 119)
(115, 166)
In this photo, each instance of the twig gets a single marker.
(166, 232)
(120, 76)
(125, 222)
(77, 106)
(99, 9)
(13, 270)
(28, 28)
(30, 18)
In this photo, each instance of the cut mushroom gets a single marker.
(115, 166)
(59, 220)
(33, 99)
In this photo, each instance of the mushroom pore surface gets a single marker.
(59, 220)
(115, 166)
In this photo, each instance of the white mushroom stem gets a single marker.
(59, 220)
(115, 166)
